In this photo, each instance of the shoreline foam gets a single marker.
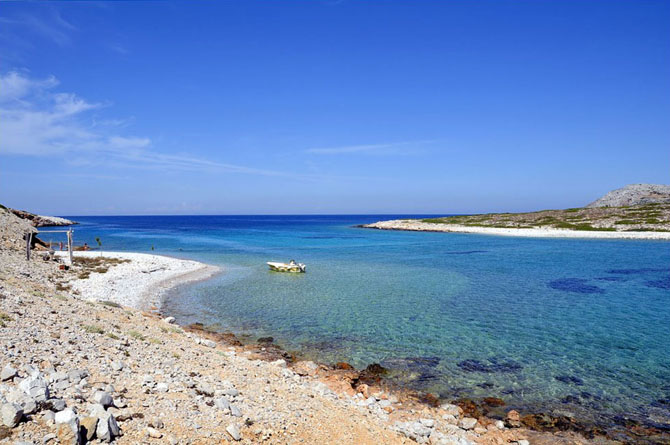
(419, 226)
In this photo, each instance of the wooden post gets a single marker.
(69, 244)
(29, 238)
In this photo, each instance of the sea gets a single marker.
(574, 327)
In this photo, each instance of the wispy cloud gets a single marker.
(37, 121)
(52, 26)
(394, 148)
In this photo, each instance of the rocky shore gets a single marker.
(41, 220)
(81, 367)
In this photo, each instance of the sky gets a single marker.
(308, 107)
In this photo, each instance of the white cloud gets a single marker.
(394, 148)
(36, 121)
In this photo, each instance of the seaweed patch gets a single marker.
(576, 285)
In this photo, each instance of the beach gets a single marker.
(420, 226)
(81, 360)
(141, 282)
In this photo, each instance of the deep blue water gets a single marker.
(572, 326)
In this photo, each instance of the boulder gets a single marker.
(11, 414)
(103, 398)
(8, 373)
(36, 387)
(88, 426)
(68, 432)
(107, 428)
(65, 416)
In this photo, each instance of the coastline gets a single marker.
(143, 378)
(419, 226)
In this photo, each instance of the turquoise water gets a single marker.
(568, 326)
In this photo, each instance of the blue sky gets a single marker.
(208, 107)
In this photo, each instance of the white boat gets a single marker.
(291, 266)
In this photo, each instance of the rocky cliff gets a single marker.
(634, 194)
(40, 220)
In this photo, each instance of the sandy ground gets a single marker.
(415, 225)
(141, 282)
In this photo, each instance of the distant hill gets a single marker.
(634, 194)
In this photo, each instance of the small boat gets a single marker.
(291, 266)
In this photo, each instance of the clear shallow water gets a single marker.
(567, 326)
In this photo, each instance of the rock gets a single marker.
(36, 387)
(280, 363)
(500, 424)
(76, 375)
(222, 403)
(208, 343)
(11, 414)
(467, 423)
(154, 433)
(344, 365)
(65, 416)
(117, 366)
(204, 389)
(232, 392)
(49, 416)
(55, 404)
(513, 419)
(634, 194)
(430, 423)
(451, 410)
(169, 320)
(266, 340)
(305, 367)
(8, 373)
(88, 426)
(234, 431)
(522, 442)
(48, 438)
(235, 411)
(68, 432)
(103, 398)
(107, 427)
(162, 387)
(28, 405)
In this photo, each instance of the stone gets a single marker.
(107, 427)
(513, 419)
(68, 432)
(222, 403)
(8, 373)
(232, 392)
(522, 442)
(467, 423)
(430, 423)
(280, 363)
(103, 398)
(117, 366)
(49, 437)
(235, 411)
(49, 416)
(234, 432)
(11, 414)
(500, 424)
(88, 425)
(154, 433)
(36, 387)
(162, 387)
(208, 343)
(65, 416)
(76, 375)
(169, 320)
(204, 389)
(55, 404)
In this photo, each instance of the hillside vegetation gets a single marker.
(653, 217)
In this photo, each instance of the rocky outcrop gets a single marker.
(41, 220)
(13, 230)
(634, 194)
